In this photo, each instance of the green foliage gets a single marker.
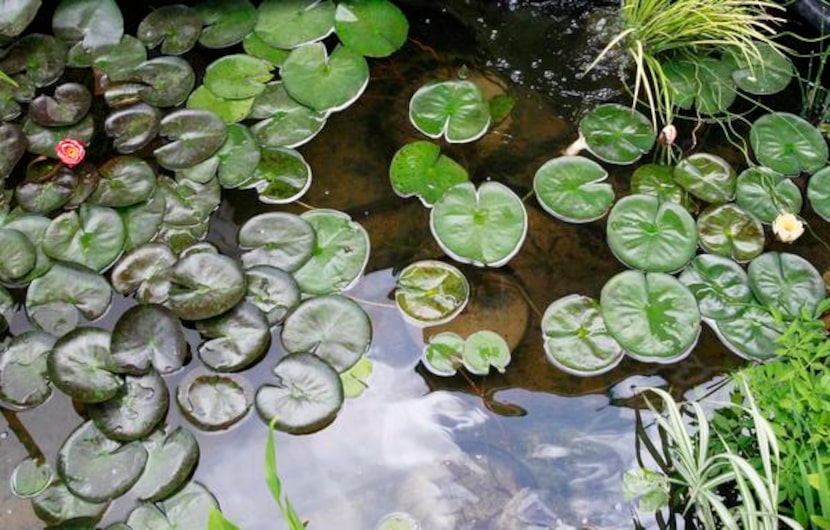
(217, 521)
(272, 478)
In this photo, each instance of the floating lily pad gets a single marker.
(41, 57)
(136, 409)
(17, 255)
(118, 95)
(42, 140)
(766, 193)
(356, 379)
(818, 191)
(752, 335)
(273, 291)
(768, 72)
(187, 202)
(729, 230)
(172, 454)
(571, 188)
(125, 180)
(281, 176)
(283, 121)
(786, 282)
(306, 398)
(94, 22)
(617, 134)
(58, 505)
(788, 144)
(176, 27)
(456, 110)
(238, 158)
(214, 402)
(226, 22)
(339, 255)
(715, 88)
(256, 47)
(291, 23)
(277, 239)
(195, 134)
(69, 104)
(484, 349)
(398, 521)
(576, 338)
(7, 309)
(144, 220)
(239, 338)
(708, 177)
(93, 236)
(168, 81)
(201, 173)
(52, 299)
(442, 355)
(188, 509)
(420, 169)
(87, 174)
(485, 227)
(9, 108)
(658, 180)
(117, 60)
(374, 28)
(24, 382)
(205, 285)
(132, 128)
(650, 235)
(17, 16)
(652, 316)
(430, 293)
(237, 76)
(30, 478)
(146, 337)
(48, 185)
(333, 327)
(81, 366)
(179, 237)
(325, 82)
(720, 286)
(12, 147)
(230, 110)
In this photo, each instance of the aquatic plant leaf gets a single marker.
(49, 184)
(9, 108)
(238, 338)
(148, 336)
(237, 76)
(143, 220)
(708, 177)
(30, 478)
(195, 136)
(398, 521)
(125, 181)
(281, 176)
(67, 106)
(431, 292)
(571, 188)
(176, 27)
(205, 285)
(81, 366)
(254, 45)
(307, 396)
(283, 121)
(135, 411)
(172, 454)
(442, 355)
(117, 60)
(658, 181)
(766, 193)
(485, 227)
(356, 379)
(24, 382)
(729, 230)
(188, 509)
(41, 58)
(374, 28)
(179, 237)
(291, 23)
(715, 86)
(617, 134)
(652, 315)
(720, 286)
(419, 169)
(278, 239)
(332, 327)
(818, 192)
(752, 335)
(92, 236)
(187, 202)
(786, 282)
(201, 173)
(42, 140)
(273, 291)
(133, 127)
(681, 75)
(94, 22)
(768, 72)
(168, 81)
(52, 299)
(788, 144)
(16, 16)
(214, 402)
(238, 158)
(647, 234)
(57, 505)
(17, 255)
(325, 82)
(339, 255)
(226, 22)
(120, 95)
(456, 110)
(13, 145)
(230, 110)
(576, 339)
(87, 176)
(484, 349)
(7, 309)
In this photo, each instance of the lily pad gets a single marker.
(766, 193)
(237, 76)
(48, 185)
(278, 239)
(484, 349)
(195, 134)
(658, 180)
(168, 81)
(214, 402)
(283, 121)
(87, 174)
(325, 82)
(17, 16)
(617, 134)
(143, 220)
(442, 355)
(571, 188)
(356, 379)
(332, 327)
(93, 236)
(720, 286)
(118, 60)
(17, 255)
(57, 505)
(576, 338)
(485, 227)
(24, 382)
(41, 57)
(94, 22)
(752, 335)
(42, 140)
(52, 299)
(786, 283)
(133, 127)
(273, 291)
(708, 177)
(30, 478)
(226, 22)
(456, 110)
(7, 309)
(205, 285)
(291, 23)
(187, 202)
(254, 45)
(69, 104)
(188, 509)
(788, 144)
(715, 88)
(650, 235)
(729, 230)
(398, 521)
(146, 337)
(201, 173)
(172, 454)
(176, 27)
(9, 108)
(281, 176)
(230, 110)
(12, 147)
(339, 255)
(239, 338)
(125, 180)
(768, 72)
(306, 398)
(818, 191)
(81, 366)
(374, 28)
(652, 316)
(136, 409)
(238, 158)
(430, 293)
(420, 169)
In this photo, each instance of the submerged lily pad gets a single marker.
(135, 411)
(24, 382)
(333, 327)
(30, 478)
(788, 144)
(281, 176)
(818, 191)
(273, 291)
(148, 336)
(374, 28)
(69, 104)
(576, 338)
(431, 292)
(230, 110)
(617, 134)
(214, 402)
(93, 22)
(239, 338)
(485, 227)
(786, 282)
(41, 57)
(81, 366)
(768, 72)
(356, 379)
(571, 188)
(133, 127)
(291, 23)
(708, 177)
(57, 505)
(237, 76)
(283, 121)
(93, 236)
(658, 180)
(456, 110)
(12, 147)
(484, 349)
(419, 169)
(653, 316)
(752, 335)
(17, 255)
(720, 286)
(205, 285)
(645, 233)
(278, 239)
(54, 299)
(125, 180)
(442, 355)
(176, 27)
(195, 134)
(714, 86)
(172, 454)
(306, 398)
(188, 509)
(167, 81)
(226, 22)
(766, 193)
(325, 82)
(728, 230)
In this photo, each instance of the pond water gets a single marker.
(533, 448)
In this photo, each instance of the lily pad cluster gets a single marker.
(447, 352)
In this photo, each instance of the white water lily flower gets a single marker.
(669, 134)
(787, 227)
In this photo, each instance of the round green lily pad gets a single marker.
(230, 110)
(238, 158)
(652, 315)
(307, 396)
(33, 227)
(281, 176)
(708, 177)
(442, 355)
(24, 382)
(255, 46)
(766, 193)
(720, 286)
(205, 285)
(356, 379)
(125, 180)
(136, 409)
(57, 505)
(374, 28)
(485, 227)
(48, 186)
(484, 349)
(768, 72)
(226, 22)
(278, 239)
(332, 327)
(788, 144)
(752, 335)
(323, 82)
(284, 122)
(273, 291)
(148, 336)
(187, 202)
(41, 57)
(430, 293)
(7, 309)
(133, 127)
(419, 169)
(17, 255)
(238, 338)
(93, 22)
(818, 191)
(13, 145)
(617, 134)
(456, 110)
(647, 234)
(166, 81)
(576, 339)
(117, 60)
(30, 478)
(144, 269)
(144, 220)
(714, 85)
(172, 454)
(214, 402)
(201, 173)
(176, 27)
(571, 188)
(93, 236)
(42, 140)
(658, 180)
(237, 76)
(291, 23)
(195, 136)
(786, 282)
(17, 16)
(188, 509)
(81, 366)
(68, 105)
(729, 230)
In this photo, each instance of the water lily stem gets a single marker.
(306, 206)
(527, 196)
(23, 436)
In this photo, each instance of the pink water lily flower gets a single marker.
(70, 151)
